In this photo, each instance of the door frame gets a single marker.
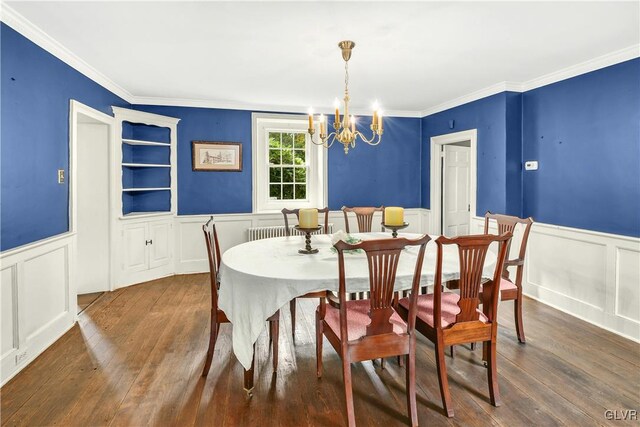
(436, 143)
(76, 109)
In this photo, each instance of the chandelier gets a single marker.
(345, 129)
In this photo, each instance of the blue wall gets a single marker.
(36, 89)
(498, 156)
(387, 174)
(585, 132)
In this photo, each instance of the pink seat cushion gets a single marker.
(449, 308)
(358, 319)
(506, 284)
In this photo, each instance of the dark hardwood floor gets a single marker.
(136, 356)
(85, 300)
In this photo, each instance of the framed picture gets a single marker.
(216, 156)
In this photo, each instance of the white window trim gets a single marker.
(261, 123)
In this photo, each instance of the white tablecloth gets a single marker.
(257, 278)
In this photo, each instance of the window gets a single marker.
(289, 170)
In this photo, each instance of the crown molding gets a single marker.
(25, 27)
(474, 96)
(594, 64)
(22, 25)
(276, 108)
(597, 63)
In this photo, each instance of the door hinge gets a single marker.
(148, 242)
(469, 208)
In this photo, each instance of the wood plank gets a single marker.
(136, 356)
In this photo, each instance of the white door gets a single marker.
(92, 176)
(136, 243)
(160, 246)
(456, 213)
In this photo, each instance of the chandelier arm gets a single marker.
(370, 141)
(323, 141)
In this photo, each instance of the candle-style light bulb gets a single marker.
(374, 119)
(353, 124)
(380, 120)
(322, 128)
(336, 105)
(310, 118)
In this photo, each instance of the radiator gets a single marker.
(257, 233)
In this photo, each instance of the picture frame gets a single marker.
(210, 156)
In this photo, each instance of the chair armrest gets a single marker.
(333, 299)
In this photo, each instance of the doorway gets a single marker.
(90, 179)
(453, 182)
(455, 215)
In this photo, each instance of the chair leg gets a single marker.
(411, 385)
(213, 337)
(319, 340)
(442, 378)
(248, 375)
(274, 327)
(492, 374)
(400, 361)
(292, 309)
(485, 352)
(473, 346)
(517, 313)
(382, 363)
(348, 393)
(452, 351)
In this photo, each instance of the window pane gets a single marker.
(301, 174)
(299, 140)
(287, 191)
(301, 192)
(300, 157)
(275, 174)
(274, 157)
(274, 140)
(287, 140)
(287, 174)
(287, 156)
(275, 191)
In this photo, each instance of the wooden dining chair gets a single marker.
(286, 212)
(448, 318)
(364, 216)
(320, 294)
(512, 289)
(369, 329)
(218, 316)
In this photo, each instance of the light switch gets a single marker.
(60, 176)
(531, 165)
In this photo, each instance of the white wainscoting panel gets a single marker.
(7, 315)
(38, 300)
(628, 284)
(591, 275)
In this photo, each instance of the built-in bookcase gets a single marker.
(148, 153)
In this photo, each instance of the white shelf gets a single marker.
(139, 142)
(145, 214)
(127, 190)
(145, 165)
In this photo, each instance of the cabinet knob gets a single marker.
(148, 242)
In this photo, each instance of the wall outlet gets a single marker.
(20, 357)
(531, 165)
(60, 176)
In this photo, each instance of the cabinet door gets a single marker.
(136, 255)
(160, 249)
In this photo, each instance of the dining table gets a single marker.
(258, 277)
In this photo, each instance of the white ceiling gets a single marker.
(409, 55)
